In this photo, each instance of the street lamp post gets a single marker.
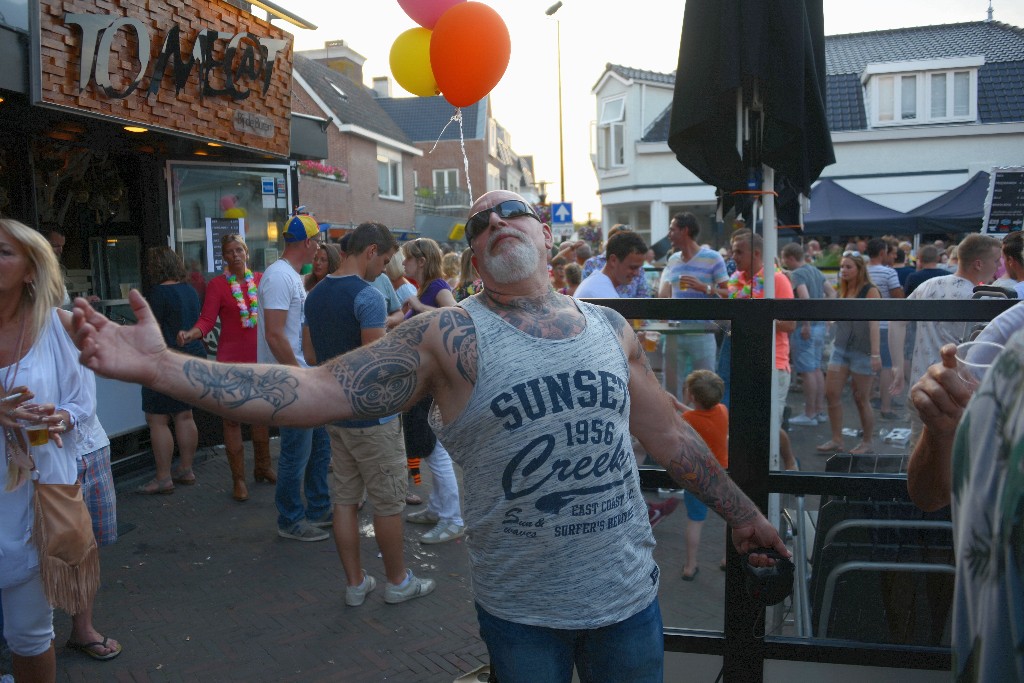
(561, 145)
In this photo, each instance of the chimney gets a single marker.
(381, 86)
(340, 57)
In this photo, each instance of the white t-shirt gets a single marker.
(281, 290)
(933, 335)
(596, 286)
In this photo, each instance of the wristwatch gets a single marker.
(709, 290)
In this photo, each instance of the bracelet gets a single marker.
(875, 355)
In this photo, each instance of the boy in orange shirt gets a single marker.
(710, 419)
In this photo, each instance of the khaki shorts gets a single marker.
(370, 458)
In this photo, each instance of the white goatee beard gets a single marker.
(513, 264)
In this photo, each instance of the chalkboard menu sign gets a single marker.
(1004, 206)
(216, 228)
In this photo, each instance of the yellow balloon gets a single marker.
(410, 62)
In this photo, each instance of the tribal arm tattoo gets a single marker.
(381, 379)
(458, 334)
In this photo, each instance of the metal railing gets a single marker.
(454, 202)
(749, 441)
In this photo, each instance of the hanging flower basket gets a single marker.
(318, 169)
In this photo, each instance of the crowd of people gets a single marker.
(387, 354)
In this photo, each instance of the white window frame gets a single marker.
(390, 160)
(877, 78)
(611, 133)
(445, 179)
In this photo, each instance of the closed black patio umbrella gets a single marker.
(750, 90)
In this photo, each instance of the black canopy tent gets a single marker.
(835, 212)
(962, 209)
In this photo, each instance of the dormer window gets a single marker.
(933, 91)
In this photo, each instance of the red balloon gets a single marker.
(469, 52)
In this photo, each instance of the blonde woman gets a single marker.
(856, 354)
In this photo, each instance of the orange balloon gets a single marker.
(469, 52)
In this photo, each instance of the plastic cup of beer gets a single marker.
(682, 284)
(650, 341)
(38, 432)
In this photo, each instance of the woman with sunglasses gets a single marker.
(422, 263)
(857, 354)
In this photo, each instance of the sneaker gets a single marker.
(354, 595)
(304, 531)
(426, 516)
(443, 532)
(802, 420)
(324, 522)
(414, 588)
(822, 418)
(657, 512)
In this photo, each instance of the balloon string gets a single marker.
(465, 159)
(462, 143)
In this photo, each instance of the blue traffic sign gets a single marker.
(561, 213)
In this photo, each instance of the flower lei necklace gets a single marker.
(248, 314)
(741, 288)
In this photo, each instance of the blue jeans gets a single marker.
(631, 650)
(304, 458)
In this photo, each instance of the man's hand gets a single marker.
(759, 533)
(941, 395)
(130, 353)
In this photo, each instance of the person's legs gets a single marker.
(444, 494)
(725, 366)
(862, 398)
(834, 383)
(527, 654)
(187, 435)
(28, 630)
(162, 442)
(696, 513)
(235, 453)
(318, 494)
(885, 376)
(389, 530)
(631, 650)
(346, 538)
(100, 499)
(291, 468)
(262, 470)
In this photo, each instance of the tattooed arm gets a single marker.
(372, 381)
(675, 446)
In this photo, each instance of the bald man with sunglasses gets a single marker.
(535, 395)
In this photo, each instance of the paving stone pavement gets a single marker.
(201, 588)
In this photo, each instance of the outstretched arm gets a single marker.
(372, 381)
(679, 449)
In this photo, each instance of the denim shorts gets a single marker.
(631, 650)
(695, 509)
(806, 354)
(858, 361)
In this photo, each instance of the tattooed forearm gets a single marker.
(459, 337)
(380, 379)
(234, 386)
(696, 469)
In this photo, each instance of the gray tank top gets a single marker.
(558, 530)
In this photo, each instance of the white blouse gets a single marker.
(52, 372)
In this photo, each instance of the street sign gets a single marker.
(561, 215)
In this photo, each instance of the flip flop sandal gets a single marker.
(153, 487)
(87, 649)
(829, 447)
(184, 478)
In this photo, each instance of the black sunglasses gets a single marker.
(510, 208)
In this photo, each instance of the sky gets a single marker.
(593, 33)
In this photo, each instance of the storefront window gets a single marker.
(209, 200)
